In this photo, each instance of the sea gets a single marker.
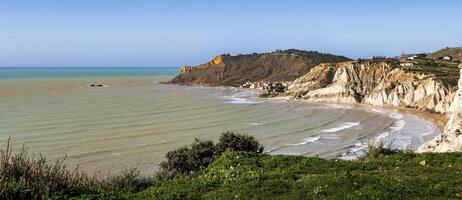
(133, 120)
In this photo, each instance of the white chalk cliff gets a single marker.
(382, 83)
(451, 139)
(374, 83)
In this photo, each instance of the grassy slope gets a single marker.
(448, 73)
(454, 52)
(252, 176)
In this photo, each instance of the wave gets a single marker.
(331, 137)
(375, 110)
(398, 125)
(338, 106)
(307, 140)
(396, 115)
(343, 126)
(242, 97)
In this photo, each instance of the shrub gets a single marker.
(190, 159)
(231, 141)
(200, 154)
(24, 177)
(129, 181)
(379, 150)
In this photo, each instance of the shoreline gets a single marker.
(437, 119)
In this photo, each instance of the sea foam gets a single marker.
(343, 126)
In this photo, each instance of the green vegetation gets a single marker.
(25, 177)
(221, 173)
(454, 52)
(280, 65)
(448, 73)
(200, 154)
(238, 175)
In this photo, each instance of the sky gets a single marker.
(171, 33)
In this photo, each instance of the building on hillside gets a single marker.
(413, 57)
(407, 64)
(447, 58)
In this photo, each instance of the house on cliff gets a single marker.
(407, 64)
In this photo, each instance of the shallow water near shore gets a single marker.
(135, 120)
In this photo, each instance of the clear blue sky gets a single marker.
(173, 33)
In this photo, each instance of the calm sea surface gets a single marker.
(133, 121)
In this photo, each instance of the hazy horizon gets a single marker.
(171, 34)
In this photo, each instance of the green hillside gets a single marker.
(252, 176)
(455, 53)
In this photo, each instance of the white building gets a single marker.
(447, 58)
(412, 57)
(407, 64)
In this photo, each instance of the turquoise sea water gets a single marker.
(83, 72)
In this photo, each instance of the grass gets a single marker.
(448, 73)
(238, 175)
(382, 173)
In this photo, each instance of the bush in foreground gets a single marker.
(200, 154)
(189, 159)
(24, 177)
(230, 141)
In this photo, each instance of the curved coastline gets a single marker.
(401, 117)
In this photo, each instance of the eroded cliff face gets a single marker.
(451, 139)
(377, 83)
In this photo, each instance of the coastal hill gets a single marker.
(454, 52)
(233, 70)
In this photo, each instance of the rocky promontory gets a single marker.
(237, 69)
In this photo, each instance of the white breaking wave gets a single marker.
(380, 137)
(253, 123)
(398, 125)
(343, 126)
(377, 110)
(308, 140)
(331, 137)
(338, 106)
(244, 97)
(396, 115)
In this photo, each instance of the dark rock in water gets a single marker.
(97, 85)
